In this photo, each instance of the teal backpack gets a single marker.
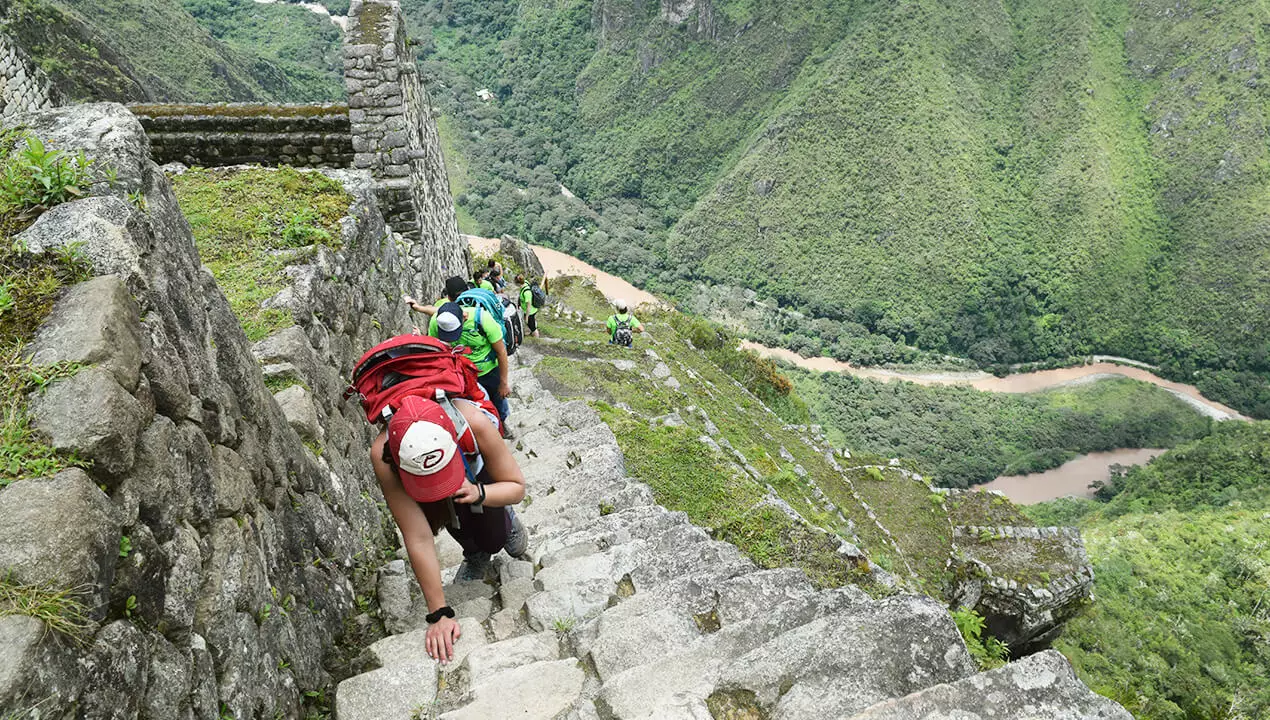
(486, 301)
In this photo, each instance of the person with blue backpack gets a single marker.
(473, 318)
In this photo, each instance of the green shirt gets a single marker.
(487, 285)
(480, 341)
(629, 319)
(527, 300)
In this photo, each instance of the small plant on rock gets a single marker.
(986, 650)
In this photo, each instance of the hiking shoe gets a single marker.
(517, 538)
(475, 567)
(508, 434)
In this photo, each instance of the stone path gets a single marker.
(628, 611)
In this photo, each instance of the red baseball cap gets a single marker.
(421, 438)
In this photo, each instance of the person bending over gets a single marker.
(435, 474)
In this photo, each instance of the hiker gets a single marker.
(623, 325)
(480, 279)
(454, 324)
(532, 298)
(495, 271)
(464, 479)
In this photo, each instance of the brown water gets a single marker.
(556, 263)
(1018, 383)
(1071, 478)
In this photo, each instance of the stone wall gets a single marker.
(221, 134)
(395, 138)
(23, 87)
(225, 539)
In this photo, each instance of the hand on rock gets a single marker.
(441, 638)
(408, 300)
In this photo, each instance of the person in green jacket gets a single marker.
(527, 308)
(481, 280)
(623, 325)
(456, 325)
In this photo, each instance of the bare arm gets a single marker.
(415, 306)
(504, 369)
(508, 486)
(420, 547)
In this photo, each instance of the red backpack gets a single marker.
(414, 365)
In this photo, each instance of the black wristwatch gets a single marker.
(434, 617)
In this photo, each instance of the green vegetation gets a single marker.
(987, 651)
(250, 224)
(158, 50)
(59, 609)
(1014, 182)
(722, 483)
(305, 47)
(33, 178)
(1181, 553)
(964, 437)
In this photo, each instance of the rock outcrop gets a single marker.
(629, 611)
(519, 252)
(220, 559)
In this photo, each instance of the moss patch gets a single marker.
(984, 508)
(250, 224)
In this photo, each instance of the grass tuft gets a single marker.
(60, 609)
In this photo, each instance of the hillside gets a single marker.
(179, 50)
(1180, 553)
(1004, 182)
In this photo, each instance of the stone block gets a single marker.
(95, 323)
(1040, 686)
(231, 481)
(102, 227)
(90, 414)
(541, 691)
(34, 664)
(298, 407)
(62, 532)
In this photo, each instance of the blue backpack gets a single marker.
(486, 301)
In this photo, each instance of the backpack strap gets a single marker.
(461, 428)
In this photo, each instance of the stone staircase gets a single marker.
(629, 611)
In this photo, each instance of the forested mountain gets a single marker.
(179, 50)
(1006, 181)
(1181, 552)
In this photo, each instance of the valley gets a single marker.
(1070, 477)
(982, 246)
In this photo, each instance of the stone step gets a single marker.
(406, 679)
(540, 691)
(494, 658)
(800, 661)
(676, 625)
(1038, 687)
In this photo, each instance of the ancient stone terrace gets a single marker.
(387, 128)
(220, 134)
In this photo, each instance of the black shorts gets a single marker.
(532, 322)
